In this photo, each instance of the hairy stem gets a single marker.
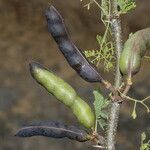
(115, 106)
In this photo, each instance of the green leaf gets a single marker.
(143, 136)
(144, 145)
(105, 6)
(147, 58)
(100, 104)
(104, 115)
(105, 53)
(126, 5)
(102, 123)
(99, 39)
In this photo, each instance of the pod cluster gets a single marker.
(73, 55)
(134, 49)
(64, 93)
(55, 130)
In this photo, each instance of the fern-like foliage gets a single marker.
(105, 54)
(100, 105)
(126, 5)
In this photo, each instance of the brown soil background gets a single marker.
(23, 38)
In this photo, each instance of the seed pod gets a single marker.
(134, 49)
(64, 93)
(55, 130)
(73, 55)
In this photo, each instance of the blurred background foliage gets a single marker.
(24, 37)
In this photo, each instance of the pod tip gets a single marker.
(35, 65)
(17, 134)
(51, 9)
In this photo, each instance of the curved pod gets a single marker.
(134, 49)
(73, 55)
(55, 130)
(64, 93)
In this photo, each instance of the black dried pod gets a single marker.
(73, 55)
(55, 130)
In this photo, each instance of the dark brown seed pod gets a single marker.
(55, 130)
(73, 55)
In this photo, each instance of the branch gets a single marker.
(115, 106)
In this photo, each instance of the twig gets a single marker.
(99, 146)
(137, 101)
(115, 106)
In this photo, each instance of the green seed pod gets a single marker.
(83, 112)
(53, 84)
(134, 49)
(64, 93)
